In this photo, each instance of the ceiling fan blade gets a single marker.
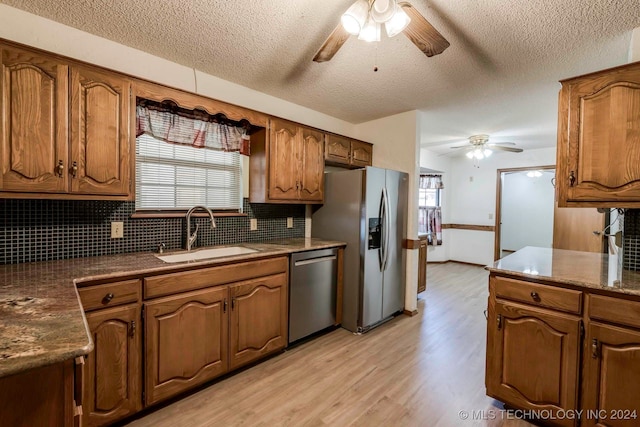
(468, 147)
(492, 144)
(422, 33)
(332, 44)
(512, 149)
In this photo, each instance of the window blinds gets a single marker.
(175, 176)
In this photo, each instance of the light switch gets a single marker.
(117, 230)
(253, 224)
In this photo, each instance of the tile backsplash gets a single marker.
(40, 230)
(631, 244)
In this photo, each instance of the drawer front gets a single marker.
(548, 296)
(614, 310)
(170, 284)
(110, 294)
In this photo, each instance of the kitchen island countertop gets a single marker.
(596, 271)
(42, 320)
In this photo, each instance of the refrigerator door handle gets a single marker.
(385, 229)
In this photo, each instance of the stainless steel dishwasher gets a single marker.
(312, 294)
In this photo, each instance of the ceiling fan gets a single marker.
(365, 17)
(479, 147)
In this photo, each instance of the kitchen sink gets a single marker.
(206, 254)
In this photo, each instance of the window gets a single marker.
(429, 197)
(173, 176)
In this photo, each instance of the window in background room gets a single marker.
(429, 213)
(187, 158)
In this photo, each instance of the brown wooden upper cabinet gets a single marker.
(64, 128)
(343, 151)
(287, 164)
(598, 153)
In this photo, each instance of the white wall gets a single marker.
(634, 46)
(32, 30)
(469, 197)
(527, 210)
(396, 147)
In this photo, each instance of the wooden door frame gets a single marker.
(497, 233)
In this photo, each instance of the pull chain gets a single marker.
(375, 63)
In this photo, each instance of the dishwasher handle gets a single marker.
(314, 260)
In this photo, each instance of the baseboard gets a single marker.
(410, 313)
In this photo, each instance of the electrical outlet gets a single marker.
(117, 230)
(253, 224)
(490, 216)
(289, 222)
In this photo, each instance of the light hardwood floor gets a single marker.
(412, 371)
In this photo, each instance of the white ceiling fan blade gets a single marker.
(500, 143)
(512, 149)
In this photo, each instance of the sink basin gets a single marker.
(206, 254)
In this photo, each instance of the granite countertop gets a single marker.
(602, 272)
(41, 319)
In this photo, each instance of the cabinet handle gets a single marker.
(224, 306)
(60, 168)
(572, 178)
(594, 348)
(499, 321)
(233, 303)
(107, 298)
(535, 296)
(74, 169)
(132, 330)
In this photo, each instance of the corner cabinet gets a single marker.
(347, 152)
(598, 154)
(287, 164)
(64, 128)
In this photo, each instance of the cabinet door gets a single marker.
(612, 376)
(361, 153)
(99, 132)
(533, 358)
(33, 126)
(113, 373)
(603, 144)
(185, 341)
(283, 160)
(312, 165)
(422, 266)
(258, 318)
(337, 150)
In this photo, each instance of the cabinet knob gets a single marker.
(74, 169)
(60, 168)
(572, 178)
(107, 298)
(499, 321)
(132, 330)
(535, 296)
(594, 348)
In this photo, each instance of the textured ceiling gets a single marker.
(498, 77)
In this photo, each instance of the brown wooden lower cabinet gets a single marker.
(612, 376)
(113, 381)
(534, 358)
(422, 266)
(185, 341)
(258, 318)
(543, 354)
(41, 397)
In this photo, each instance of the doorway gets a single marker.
(524, 209)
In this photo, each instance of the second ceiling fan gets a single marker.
(365, 18)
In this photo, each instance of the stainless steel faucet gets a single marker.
(191, 238)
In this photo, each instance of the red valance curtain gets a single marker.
(195, 128)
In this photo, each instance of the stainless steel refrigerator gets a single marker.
(367, 209)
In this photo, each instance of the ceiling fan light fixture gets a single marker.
(383, 10)
(353, 20)
(370, 32)
(397, 23)
(487, 152)
(469, 154)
